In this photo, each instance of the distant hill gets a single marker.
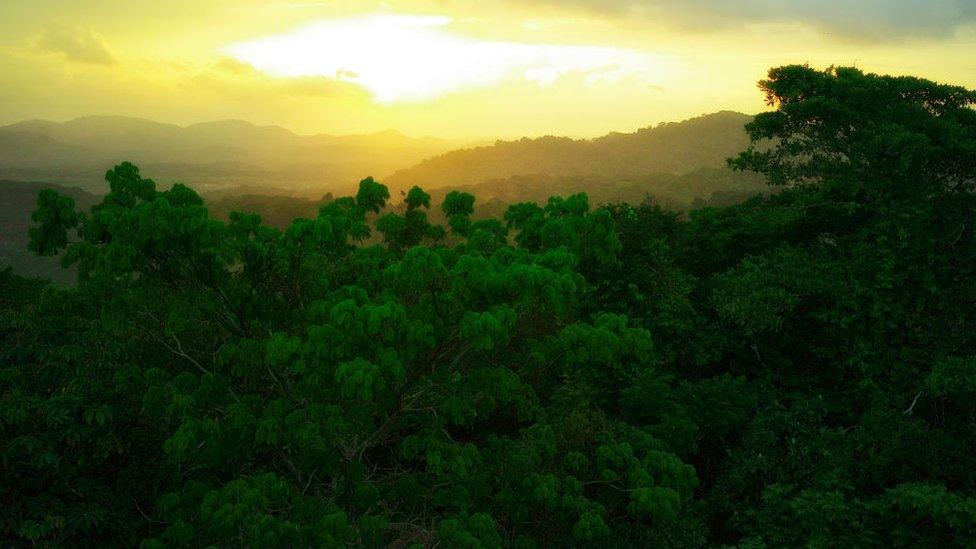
(704, 187)
(209, 156)
(20, 148)
(213, 156)
(675, 148)
(275, 210)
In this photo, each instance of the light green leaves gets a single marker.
(489, 329)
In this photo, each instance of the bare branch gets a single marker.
(908, 411)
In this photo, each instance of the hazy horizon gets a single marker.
(454, 141)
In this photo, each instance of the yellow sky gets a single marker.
(460, 69)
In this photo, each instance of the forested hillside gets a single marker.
(673, 148)
(798, 369)
(680, 193)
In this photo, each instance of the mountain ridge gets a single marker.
(681, 147)
(40, 125)
(78, 151)
(222, 154)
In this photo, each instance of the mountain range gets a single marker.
(222, 155)
(209, 155)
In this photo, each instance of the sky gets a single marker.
(459, 69)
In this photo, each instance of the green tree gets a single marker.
(795, 369)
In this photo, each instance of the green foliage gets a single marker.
(372, 195)
(402, 232)
(303, 389)
(55, 216)
(876, 135)
(793, 370)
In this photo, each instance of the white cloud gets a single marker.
(76, 44)
(409, 58)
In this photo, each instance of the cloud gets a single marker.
(76, 44)
(236, 78)
(861, 20)
(233, 66)
(319, 87)
(413, 58)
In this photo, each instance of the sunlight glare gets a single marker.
(414, 58)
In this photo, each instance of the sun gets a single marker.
(415, 58)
